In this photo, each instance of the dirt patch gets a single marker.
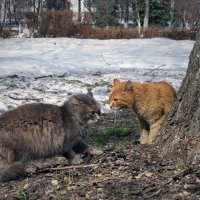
(126, 170)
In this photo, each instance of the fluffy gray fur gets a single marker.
(37, 131)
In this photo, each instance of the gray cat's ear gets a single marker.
(89, 92)
(128, 86)
(74, 100)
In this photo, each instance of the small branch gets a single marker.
(51, 169)
(160, 174)
(62, 75)
(63, 168)
(153, 70)
(183, 173)
(50, 76)
(40, 77)
(105, 60)
(74, 167)
(152, 195)
(13, 76)
(25, 99)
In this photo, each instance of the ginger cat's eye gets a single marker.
(115, 99)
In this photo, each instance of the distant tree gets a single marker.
(135, 8)
(125, 15)
(146, 15)
(79, 10)
(57, 4)
(154, 12)
(186, 13)
(172, 4)
(106, 13)
(160, 13)
(8, 12)
(88, 5)
(3, 6)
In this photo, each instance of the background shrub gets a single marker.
(5, 33)
(52, 23)
(63, 24)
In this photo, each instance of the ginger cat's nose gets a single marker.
(111, 104)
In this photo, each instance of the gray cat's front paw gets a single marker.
(75, 161)
(93, 152)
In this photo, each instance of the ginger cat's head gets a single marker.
(121, 95)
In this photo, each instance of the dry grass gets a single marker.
(122, 33)
(107, 33)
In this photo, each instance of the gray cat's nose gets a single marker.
(99, 112)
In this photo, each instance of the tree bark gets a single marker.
(180, 134)
(126, 16)
(4, 14)
(79, 11)
(138, 16)
(172, 4)
(146, 16)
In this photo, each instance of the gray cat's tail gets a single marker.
(12, 171)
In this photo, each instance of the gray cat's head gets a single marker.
(84, 108)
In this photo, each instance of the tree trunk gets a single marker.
(180, 134)
(126, 16)
(138, 16)
(146, 16)
(4, 15)
(9, 14)
(89, 7)
(172, 4)
(79, 11)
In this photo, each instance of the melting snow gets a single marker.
(51, 69)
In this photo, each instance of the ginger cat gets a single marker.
(152, 102)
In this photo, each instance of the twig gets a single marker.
(74, 167)
(40, 77)
(13, 76)
(51, 169)
(160, 174)
(183, 173)
(153, 70)
(62, 168)
(62, 75)
(25, 99)
(167, 182)
(152, 195)
(105, 60)
(50, 76)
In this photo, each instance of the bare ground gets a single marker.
(126, 170)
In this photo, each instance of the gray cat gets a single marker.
(37, 131)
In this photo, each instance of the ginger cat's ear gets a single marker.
(128, 86)
(116, 82)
